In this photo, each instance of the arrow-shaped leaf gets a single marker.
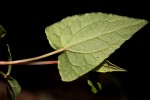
(88, 39)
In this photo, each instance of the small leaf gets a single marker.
(2, 32)
(108, 67)
(88, 39)
(13, 87)
(99, 85)
(93, 88)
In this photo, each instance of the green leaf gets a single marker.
(93, 88)
(2, 32)
(108, 67)
(88, 39)
(13, 87)
(99, 85)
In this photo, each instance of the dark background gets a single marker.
(25, 24)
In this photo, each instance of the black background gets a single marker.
(25, 24)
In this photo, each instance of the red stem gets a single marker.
(31, 63)
(41, 63)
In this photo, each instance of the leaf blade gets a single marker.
(88, 40)
(93, 88)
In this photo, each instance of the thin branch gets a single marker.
(30, 59)
(39, 63)
(10, 59)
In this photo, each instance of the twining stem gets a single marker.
(30, 59)
(3, 74)
(10, 59)
(40, 63)
(9, 69)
